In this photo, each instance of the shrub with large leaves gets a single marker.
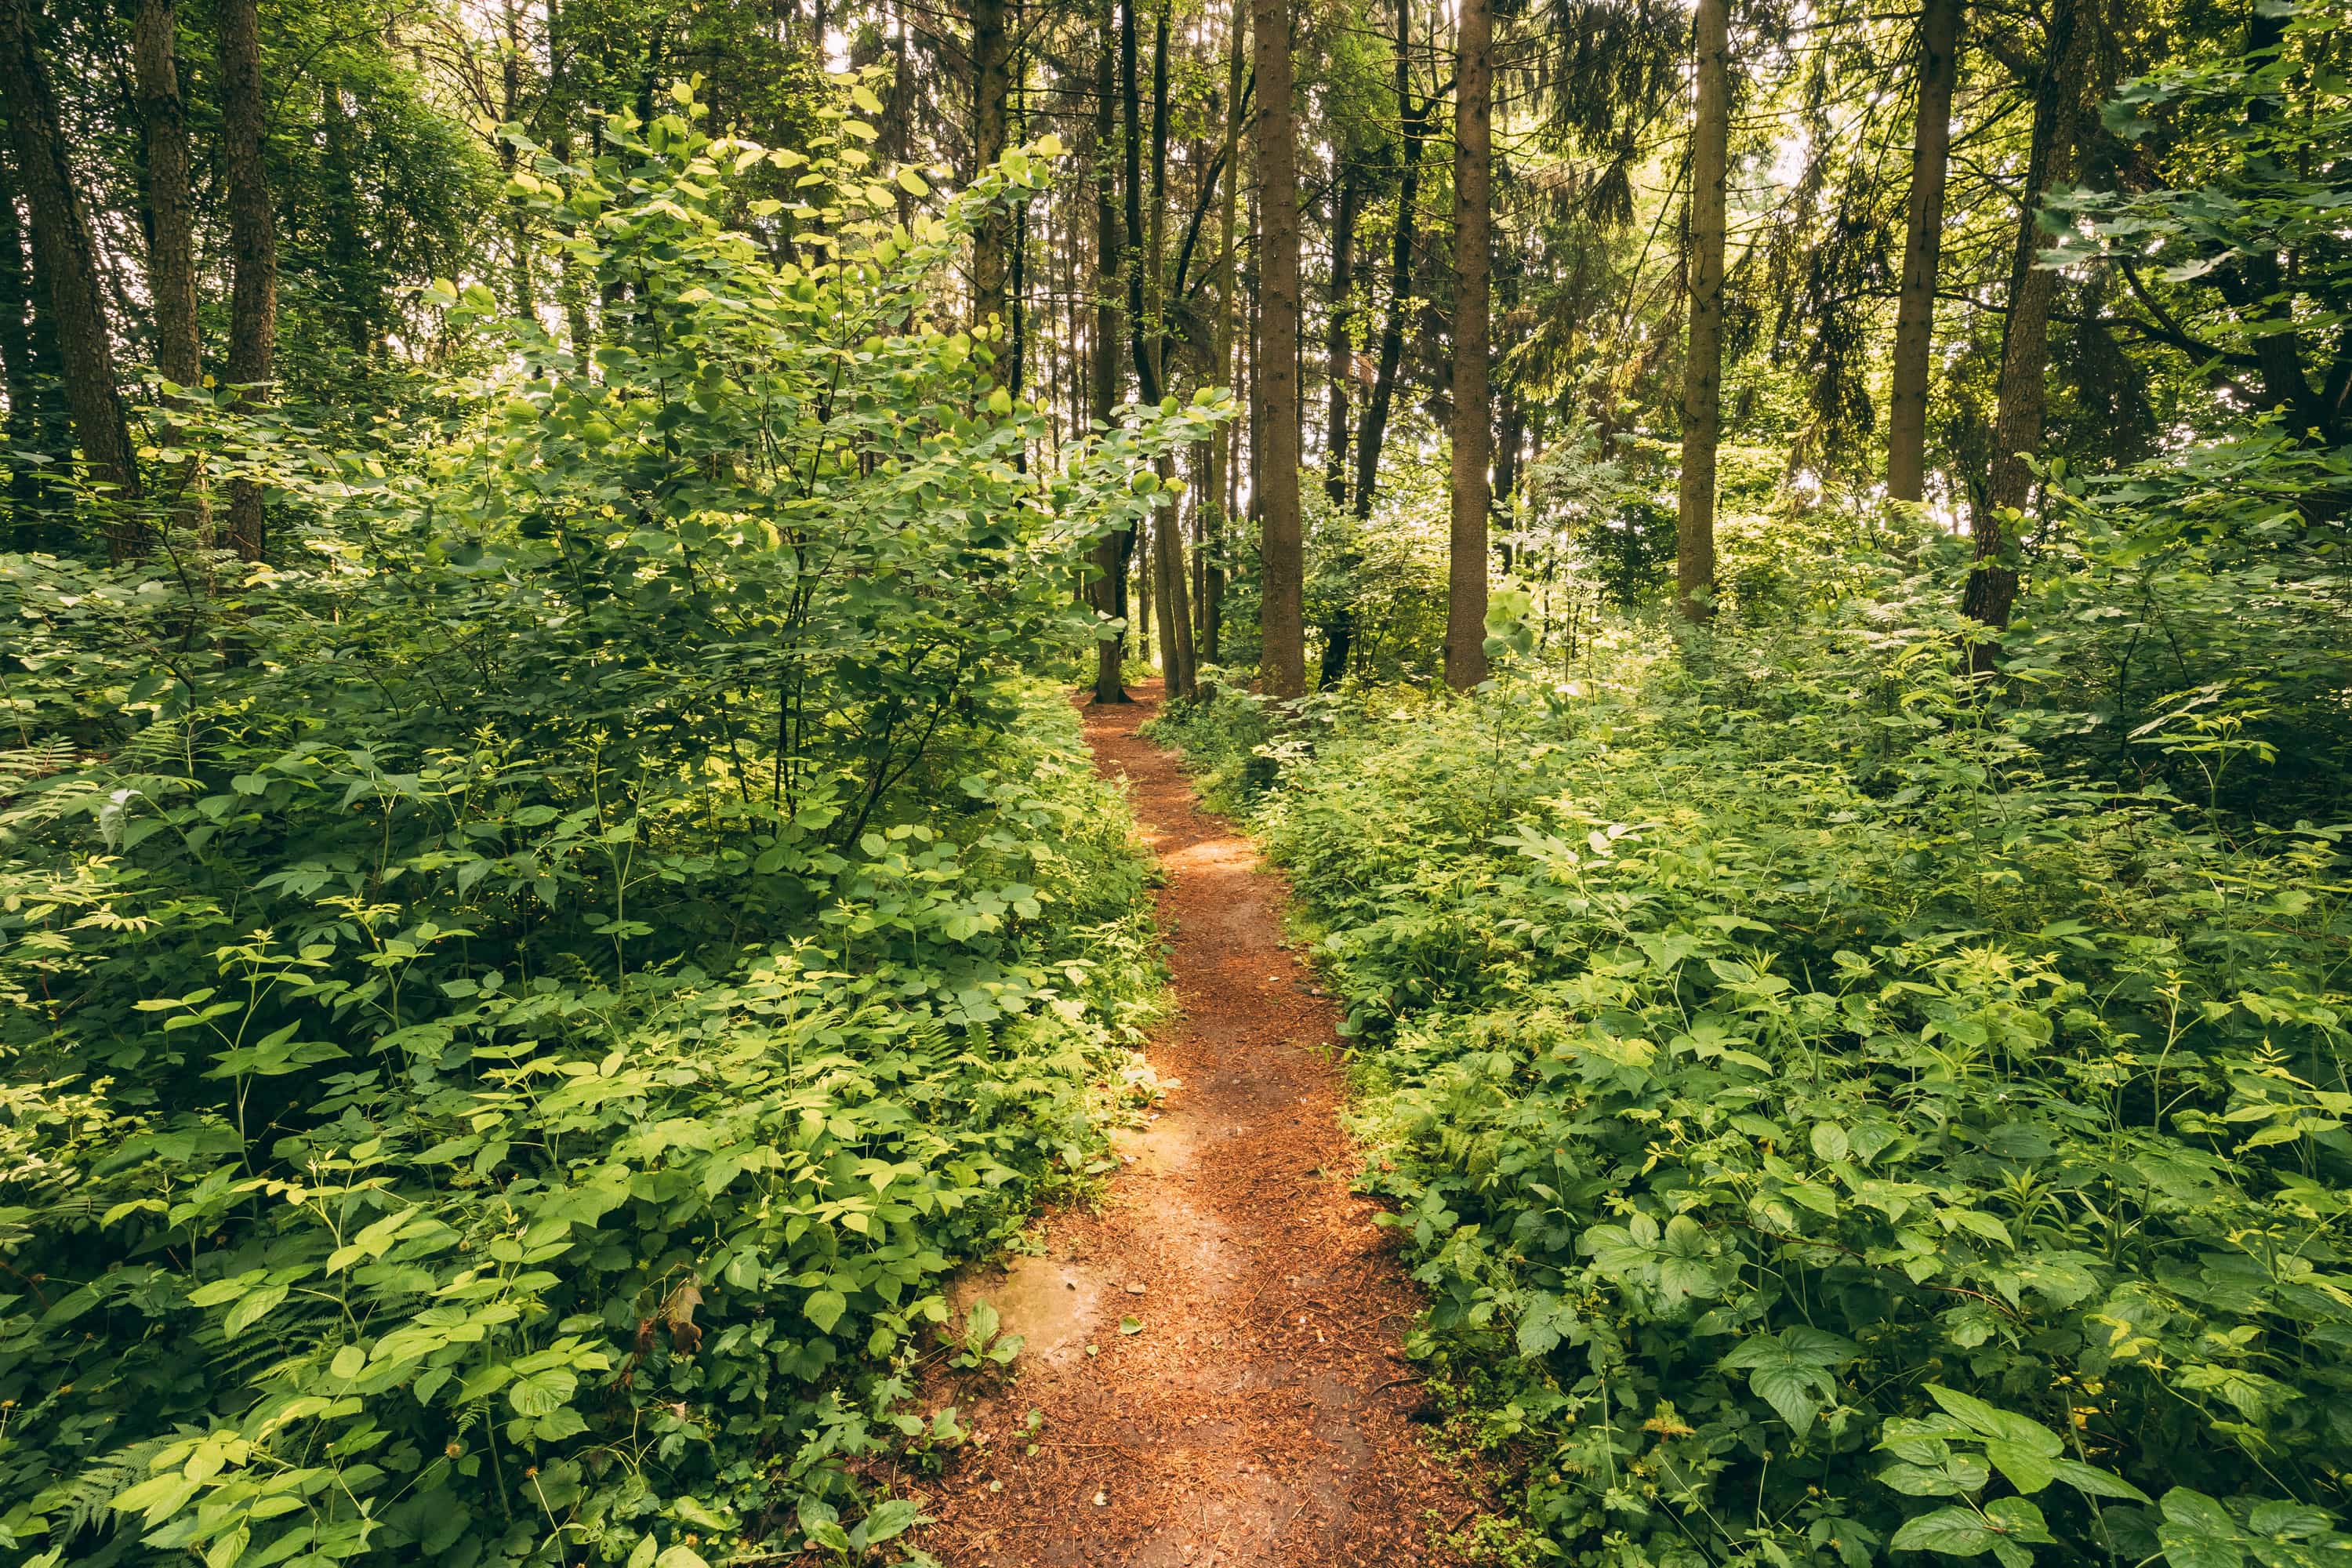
(1822, 1131)
(512, 1010)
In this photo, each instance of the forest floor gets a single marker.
(1262, 1412)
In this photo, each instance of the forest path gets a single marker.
(1260, 1415)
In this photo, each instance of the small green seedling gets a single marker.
(982, 1348)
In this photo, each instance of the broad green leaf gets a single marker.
(825, 1308)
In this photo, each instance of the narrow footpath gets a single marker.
(1261, 1412)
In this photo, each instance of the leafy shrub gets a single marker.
(1822, 1130)
(511, 1014)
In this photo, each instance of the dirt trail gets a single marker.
(1261, 1415)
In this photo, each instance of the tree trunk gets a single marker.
(1112, 555)
(1146, 309)
(1339, 345)
(171, 210)
(526, 302)
(2258, 290)
(252, 247)
(1282, 663)
(1702, 367)
(991, 63)
(171, 225)
(1473, 157)
(67, 254)
(1412, 120)
(1146, 562)
(28, 362)
(2025, 338)
(1915, 320)
(1168, 591)
(573, 277)
(1214, 504)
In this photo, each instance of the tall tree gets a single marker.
(1915, 320)
(1215, 507)
(170, 212)
(510, 58)
(2058, 113)
(1339, 342)
(27, 362)
(992, 67)
(1412, 127)
(1281, 552)
(1146, 305)
(1474, 167)
(1111, 555)
(1703, 364)
(65, 252)
(252, 247)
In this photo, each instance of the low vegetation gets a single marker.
(511, 1014)
(1839, 1108)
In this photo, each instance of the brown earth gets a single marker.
(1261, 1414)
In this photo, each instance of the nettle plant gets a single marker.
(512, 1013)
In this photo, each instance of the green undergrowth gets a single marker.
(510, 1012)
(1829, 1129)
(488, 1256)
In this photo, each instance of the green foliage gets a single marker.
(513, 1011)
(1822, 1129)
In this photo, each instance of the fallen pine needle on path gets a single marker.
(1263, 1412)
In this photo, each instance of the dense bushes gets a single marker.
(1824, 1127)
(511, 1012)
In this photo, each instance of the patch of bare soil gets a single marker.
(1263, 1412)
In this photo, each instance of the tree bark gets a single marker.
(992, 62)
(1473, 157)
(526, 301)
(1214, 504)
(28, 362)
(1412, 125)
(1338, 344)
(1915, 320)
(1702, 367)
(253, 248)
(1146, 308)
(66, 252)
(1991, 590)
(171, 210)
(1112, 555)
(1168, 591)
(1282, 667)
(171, 227)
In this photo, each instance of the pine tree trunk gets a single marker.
(992, 62)
(1473, 432)
(1282, 662)
(1703, 366)
(171, 210)
(526, 301)
(171, 225)
(2025, 339)
(1214, 505)
(1915, 321)
(1112, 555)
(27, 363)
(1412, 120)
(1338, 344)
(65, 254)
(253, 248)
(1175, 612)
